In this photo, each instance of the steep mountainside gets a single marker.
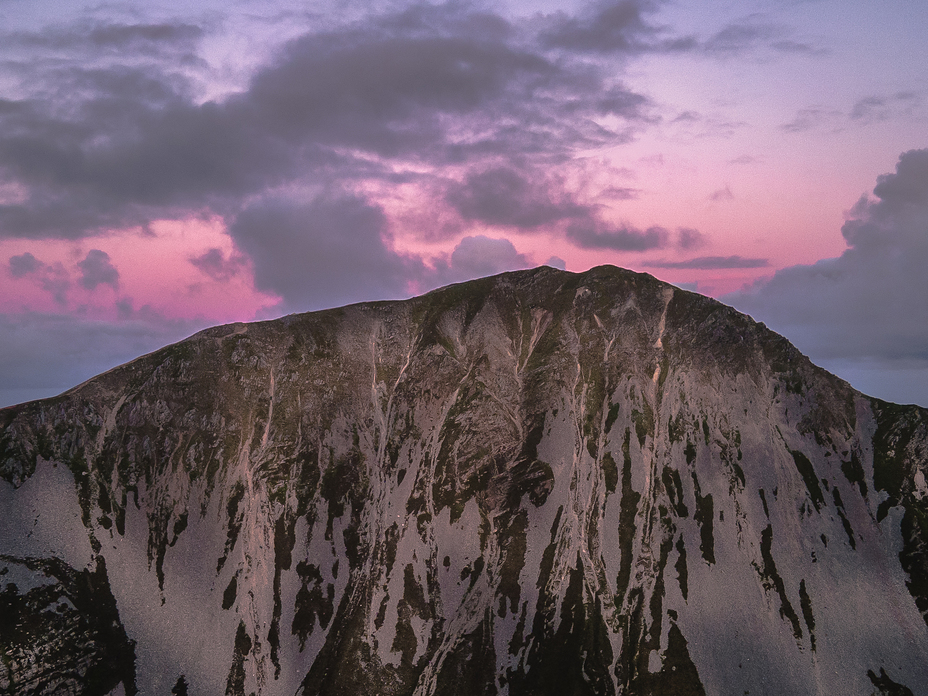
(536, 483)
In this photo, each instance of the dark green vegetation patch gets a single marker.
(65, 635)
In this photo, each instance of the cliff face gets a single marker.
(537, 483)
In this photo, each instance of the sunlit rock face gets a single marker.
(536, 483)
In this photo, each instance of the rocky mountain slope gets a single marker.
(536, 483)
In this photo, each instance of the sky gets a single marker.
(164, 168)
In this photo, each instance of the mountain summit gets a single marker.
(536, 483)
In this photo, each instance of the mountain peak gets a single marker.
(540, 482)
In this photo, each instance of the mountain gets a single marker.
(535, 483)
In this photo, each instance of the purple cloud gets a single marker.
(97, 269)
(217, 266)
(24, 264)
(709, 263)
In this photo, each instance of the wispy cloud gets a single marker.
(596, 235)
(813, 118)
(709, 263)
(875, 108)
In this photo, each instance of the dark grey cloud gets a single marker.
(52, 278)
(134, 149)
(391, 86)
(99, 145)
(709, 263)
(871, 303)
(608, 27)
(505, 196)
(752, 33)
(594, 234)
(385, 93)
(905, 191)
(690, 238)
(24, 264)
(97, 269)
(327, 252)
(215, 264)
(145, 39)
(625, 28)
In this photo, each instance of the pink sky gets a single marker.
(155, 273)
